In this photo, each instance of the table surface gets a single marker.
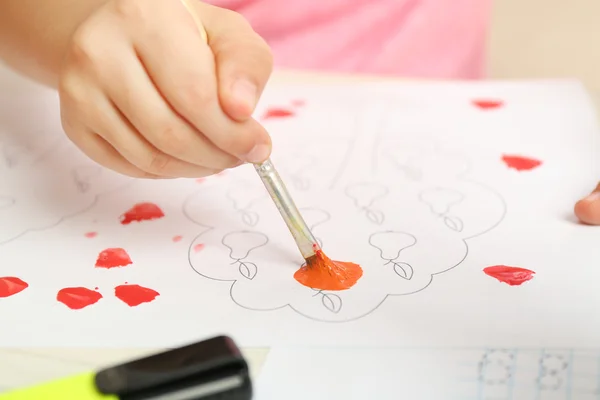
(27, 366)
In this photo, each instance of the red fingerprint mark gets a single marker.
(134, 295)
(322, 273)
(10, 285)
(198, 247)
(142, 212)
(91, 235)
(177, 238)
(513, 276)
(487, 104)
(276, 112)
(77, 298)
(521, 163)
(113, 258)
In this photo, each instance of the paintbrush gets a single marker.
(306, 242)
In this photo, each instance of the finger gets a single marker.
(103, 118)
(117, 131)
(588, 208)
(181, 65)
(136, 97)
(100, 151)
(243, 59)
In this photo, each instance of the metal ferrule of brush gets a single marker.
(304, 238)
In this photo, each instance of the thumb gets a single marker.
(588, 208)
(243, 60)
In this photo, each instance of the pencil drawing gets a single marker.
(331, 301)
(390, 244)
(364, 196)
(83, 176)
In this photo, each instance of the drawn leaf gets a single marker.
(454, 223)
(332, 302)
(403, 270)
(248, 270)
(84, 175)
(249, 217)
(375, 216)
(6, 202)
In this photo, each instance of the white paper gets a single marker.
(404, 179)
(424, 374)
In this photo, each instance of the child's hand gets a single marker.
(141, 93)
(588, 209)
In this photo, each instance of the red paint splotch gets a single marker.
(142, 212)
(487, 104)
(520, 163)
(91, 235)
(10, 285)
(513, 276)
(113, 258)
(134, 295)
(277, 112)
(200, 180)
(77, 298)
(322, 273)
(298, 103)
(198, 247)
(177, 238)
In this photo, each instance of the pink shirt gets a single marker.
(417, 38)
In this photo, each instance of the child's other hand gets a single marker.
(588, 209)
(142, 94)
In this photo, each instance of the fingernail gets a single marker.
(245, 92)
(259, 153)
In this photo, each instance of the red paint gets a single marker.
(91, 235)
(276, 112)
(198, 247)
(134, 295)
(10, 285)
(77, 298)
(513, 276)
(521, 163)
(177, 238)
(487, 104)
(113, 258)
(322, 273)
(298, 103)
(200, 180)
(142, 212)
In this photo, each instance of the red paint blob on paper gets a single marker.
(276, 112)
(10, 285)
(298, 103)
(134, 295)
(91, 235)
(142, 212)
(521, 163)
(113, 258)
(322, 273)
(488, 104)
(513, 276)
(177, 238)
(200, 180)
(77, 298)
(198, 247)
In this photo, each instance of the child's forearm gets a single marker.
(34, 34)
